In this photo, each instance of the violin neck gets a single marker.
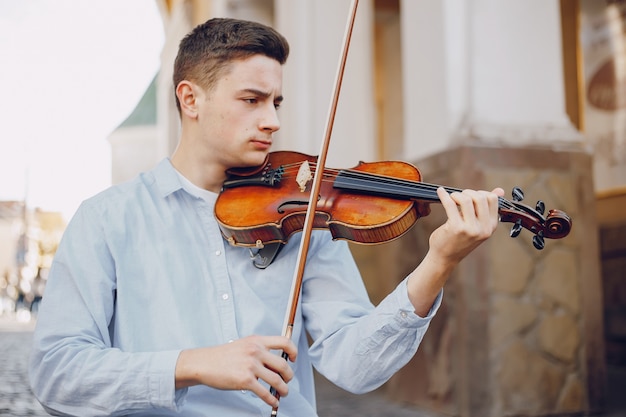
(380, 185)
(401, 189)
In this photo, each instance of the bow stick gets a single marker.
(307, 229)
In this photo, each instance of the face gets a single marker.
(238, 116)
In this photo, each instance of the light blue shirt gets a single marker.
(142, 272)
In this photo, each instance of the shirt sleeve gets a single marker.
(74, 370)
(355, 345)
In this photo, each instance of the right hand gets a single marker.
(239, 366)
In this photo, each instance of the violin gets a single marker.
(368, 204)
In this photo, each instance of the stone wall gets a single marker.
(520, 330)
(612, 223)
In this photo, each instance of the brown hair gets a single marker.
(208, 49)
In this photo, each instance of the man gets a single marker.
(148, 311)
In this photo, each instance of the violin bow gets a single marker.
(307, 229)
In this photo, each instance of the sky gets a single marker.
(70, 72)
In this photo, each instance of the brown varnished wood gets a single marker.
(268, 214)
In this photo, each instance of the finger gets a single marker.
(274, 380)
(482, 206)
(467, 201)
(494, 206)
(493, 198)
(281, 343)
(279, 366)
(264, 394)
(488, 211)
(487, 205)
(498, 191)
(449, 205)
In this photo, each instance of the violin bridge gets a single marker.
(304, 175)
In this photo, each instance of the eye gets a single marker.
(277, 106)
(253, 100)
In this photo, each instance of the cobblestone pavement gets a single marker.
(16, 399)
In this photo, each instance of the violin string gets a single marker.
(403, 186)
(412, 185)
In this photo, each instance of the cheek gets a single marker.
(218, 124)
(227, 120)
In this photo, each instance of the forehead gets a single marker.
(256, 71)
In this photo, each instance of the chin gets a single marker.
(259, 157)
(252, 160)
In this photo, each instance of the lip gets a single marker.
(260, 143)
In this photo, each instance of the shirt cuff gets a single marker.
(407, 316)
(162, 382)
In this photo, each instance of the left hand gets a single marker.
(472, 218)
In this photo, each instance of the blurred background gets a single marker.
(475, 93)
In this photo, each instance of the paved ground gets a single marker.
(16, 400)
(335, 402)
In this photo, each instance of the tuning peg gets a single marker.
(516, 229)
(538, 241)
(517, 193)
(540, 207)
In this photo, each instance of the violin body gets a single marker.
(252, 213)
(371, 203)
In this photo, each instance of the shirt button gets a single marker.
(224, 297)
(218, 252)
(403, 314)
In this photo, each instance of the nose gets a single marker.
(269, 122)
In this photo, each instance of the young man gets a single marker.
(148, 311)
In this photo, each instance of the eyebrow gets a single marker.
(264, 94)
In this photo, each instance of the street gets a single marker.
(16, 399)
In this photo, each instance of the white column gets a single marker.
(315, 31)
(256, 10)
(517, 92)
(176, 26)
(482, 70)
(426, 108)
(293, 20)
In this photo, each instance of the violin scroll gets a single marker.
(556, 225)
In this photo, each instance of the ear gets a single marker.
(187, 94)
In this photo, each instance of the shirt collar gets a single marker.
(169, 180)
(166, 178)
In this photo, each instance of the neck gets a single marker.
(198, 171)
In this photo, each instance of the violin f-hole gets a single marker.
(283, 207)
